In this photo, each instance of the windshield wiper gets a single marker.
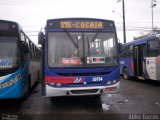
(95, 36)
(71, 39)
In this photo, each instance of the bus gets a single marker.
(19, 61)
(141, 58)
(80, 57)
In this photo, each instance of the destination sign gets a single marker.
(7, 26)
(81, 24)
(4, 26)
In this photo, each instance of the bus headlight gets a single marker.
(11, 82)
(108, 82)
(114, 81)
(58, 84)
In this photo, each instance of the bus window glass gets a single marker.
(65, 49)
(22, 37)
(8, 52)
(153, 48)
(125, 51)
(130, 51)
(100, 49)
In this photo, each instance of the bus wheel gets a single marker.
(97, 99)
(125, 73)
(38, 77)
(28, 88)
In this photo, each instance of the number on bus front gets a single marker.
(97, 79)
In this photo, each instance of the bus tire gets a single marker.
(97, 98)
(28, 88)
(55, 100)
(38, 77)
(125, 74)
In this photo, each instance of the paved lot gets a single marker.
(136, 100)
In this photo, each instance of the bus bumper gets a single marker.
(81, 91)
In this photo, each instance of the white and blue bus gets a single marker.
(19, 61)
(80, 57)
(141, 58)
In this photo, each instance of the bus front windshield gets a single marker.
(81, 49)
(8, 52)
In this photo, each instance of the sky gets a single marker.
(32, 14)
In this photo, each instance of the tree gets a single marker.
(142, 36)
(156, 30)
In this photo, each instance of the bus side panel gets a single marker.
(158, 68)
(127, 63)
(34, 71)
(152, 68)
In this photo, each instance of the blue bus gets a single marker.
(141, 58)
(80, 57)
(19, 61)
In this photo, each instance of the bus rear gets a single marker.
(80, 57)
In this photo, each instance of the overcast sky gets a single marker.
(32, 14)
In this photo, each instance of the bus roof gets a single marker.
(143, 40)
(80, 19)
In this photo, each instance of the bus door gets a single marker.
(138, 60)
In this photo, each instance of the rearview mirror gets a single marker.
(120, 47)
(25, 47)
(40, 37)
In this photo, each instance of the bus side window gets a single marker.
(30, 47)
(23, 39)
(33, 52)
(130, 51)
(28, 53)
(125, 51)
(153, 48)
(144, 50)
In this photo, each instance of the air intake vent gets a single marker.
(84, 91)
(83, 74)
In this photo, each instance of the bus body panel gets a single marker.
(13, 87)
(34, 72)
(100, 82)
(127, 63)
(153, 68)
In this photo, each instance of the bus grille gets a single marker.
(84, 91)
(83, 74)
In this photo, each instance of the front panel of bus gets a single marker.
(9, 60)
(80, 58)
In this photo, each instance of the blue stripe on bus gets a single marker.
(18, 89)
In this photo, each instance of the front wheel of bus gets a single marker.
(28, 88)
(125, 73)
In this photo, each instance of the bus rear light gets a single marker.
(158, 61)
(114, 81)
(111, 89)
